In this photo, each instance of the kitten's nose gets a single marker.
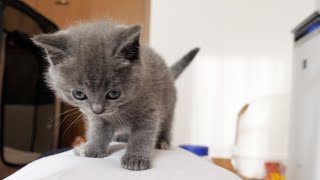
(97, 108)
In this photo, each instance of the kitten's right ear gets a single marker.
(55, 46)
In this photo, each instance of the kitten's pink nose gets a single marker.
(97, 108)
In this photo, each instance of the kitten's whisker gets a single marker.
(113, 120)
(137, 112)
(136, 117)
(65, 118)
(73, 109)
(119, 120)
(76, 120)
(135, 109)
(128, 114)
(69, 111)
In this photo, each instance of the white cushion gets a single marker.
(175, 163)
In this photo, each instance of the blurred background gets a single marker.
(235, 98)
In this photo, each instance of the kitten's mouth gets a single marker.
(105, 113)
(109, 112)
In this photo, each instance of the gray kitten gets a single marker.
(118, 84)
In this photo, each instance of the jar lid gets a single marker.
(198, 150)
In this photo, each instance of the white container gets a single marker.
(262, 135)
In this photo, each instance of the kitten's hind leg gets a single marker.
(163, 141)
(164, 137)
(164, 145)
(123, 137)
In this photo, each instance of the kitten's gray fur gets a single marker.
(101, 56)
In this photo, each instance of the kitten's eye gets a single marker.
(114, 94)
(79, 95)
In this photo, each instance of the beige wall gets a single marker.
(226, 30)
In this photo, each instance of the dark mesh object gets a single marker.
(27, 104)
(24, 83)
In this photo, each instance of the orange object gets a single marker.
(274, 171)
(78, 140)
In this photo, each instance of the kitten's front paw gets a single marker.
(86, 150)
(135, 162)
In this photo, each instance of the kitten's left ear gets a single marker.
(130, 44)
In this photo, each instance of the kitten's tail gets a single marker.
(179, 66)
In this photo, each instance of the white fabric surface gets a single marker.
(175, 163)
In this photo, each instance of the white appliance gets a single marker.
(304, 143)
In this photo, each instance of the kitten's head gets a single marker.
(94, 66)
